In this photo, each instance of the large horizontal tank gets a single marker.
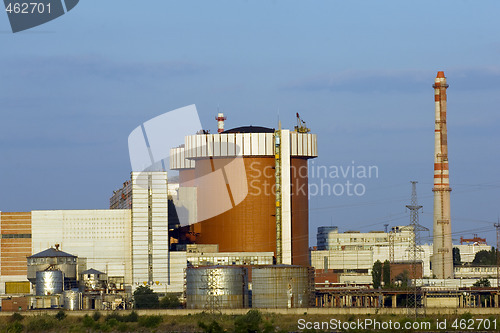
(223, 287)
(282, 286)
(49, 283)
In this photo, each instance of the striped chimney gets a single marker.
(442, 258)
(220, 122)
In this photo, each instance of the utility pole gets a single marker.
(391, 236)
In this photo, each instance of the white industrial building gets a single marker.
(352, 254)
(103, 237)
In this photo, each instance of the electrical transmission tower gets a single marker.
(214, 291)
(415, 250)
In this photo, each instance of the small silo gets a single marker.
(72, 300)
(217, 287)
(282, 286)
(49, 282)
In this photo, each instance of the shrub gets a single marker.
(150, 321)
(104, 327)
(170, 301)
(96, 316)
(123, 327)
(213, 327)
(87, 321)
(60, 315)
(132, 317)
(466, 316)
(16, 316)
(40, 324)
(249, 322)
(15, 327)
(112, 322)
(483, 282)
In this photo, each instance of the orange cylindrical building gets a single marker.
(234, 174)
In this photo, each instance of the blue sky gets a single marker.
(359, 72)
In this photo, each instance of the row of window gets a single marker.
(205, 261)
(60, 260)
(16, 236)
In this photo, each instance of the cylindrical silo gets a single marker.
(72, 300)
(49, 283)
(217, 287)
(282, 286)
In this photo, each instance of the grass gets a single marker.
(132, 322)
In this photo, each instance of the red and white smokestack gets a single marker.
(220, 122)
(442, 258)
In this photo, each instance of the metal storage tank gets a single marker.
(49, 283)
(234, 174)
(282, 286)
(72, 300)
(223, 287)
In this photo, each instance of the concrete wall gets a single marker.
(101, 236)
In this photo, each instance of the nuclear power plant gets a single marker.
(227, 226)
(251, 183)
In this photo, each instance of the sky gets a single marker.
(360, 73)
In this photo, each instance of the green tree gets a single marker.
(377, 274)
(145, 298)
(403, 278)
(482, 282)
(252, 322)
(170, 301)
(386, 273)
(60, 315)
(487, 258)
(213, 327)
(457, 260)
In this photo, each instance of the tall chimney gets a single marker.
(220, 122)
(442, 258)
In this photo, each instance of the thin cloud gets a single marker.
(96, 66)
(408, 81)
